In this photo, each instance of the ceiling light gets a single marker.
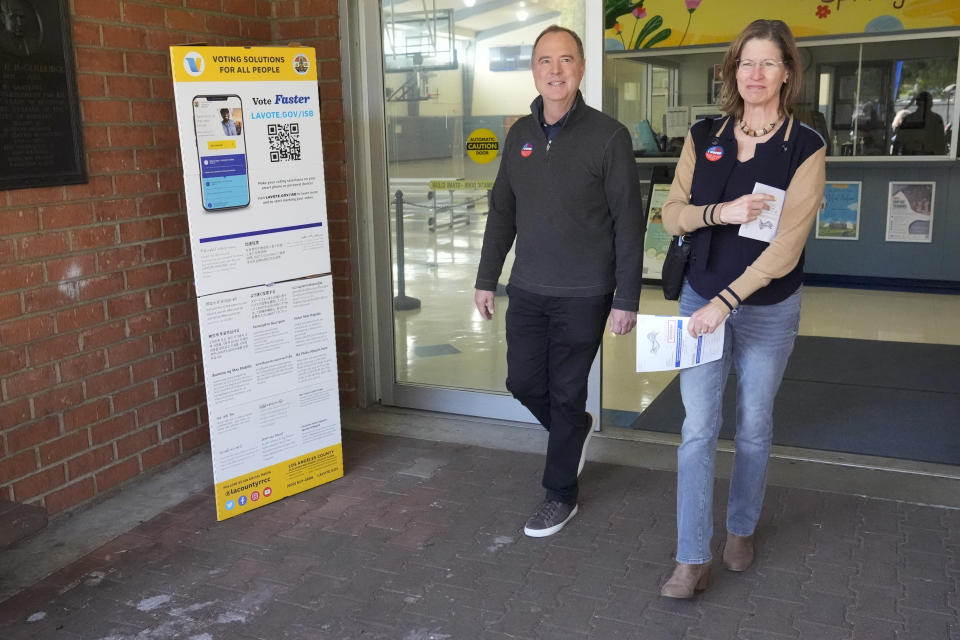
(522, 15)
(469, 3)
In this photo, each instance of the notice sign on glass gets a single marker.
(41, 140)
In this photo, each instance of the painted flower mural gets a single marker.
(645, 23)
(643, 34)
(692, 6)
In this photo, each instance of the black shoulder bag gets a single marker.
(675, 266)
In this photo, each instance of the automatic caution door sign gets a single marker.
(482, 146)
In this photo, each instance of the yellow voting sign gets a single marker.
(242, 64)
(482, 146)
(252, 153)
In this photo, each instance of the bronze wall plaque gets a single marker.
(41, 138)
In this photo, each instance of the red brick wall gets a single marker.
(100, 370)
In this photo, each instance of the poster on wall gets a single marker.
(839, 215)
(249, 121)
(269, 358)
(910, 211)
(656, 240)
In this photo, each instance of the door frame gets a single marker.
(365, 122)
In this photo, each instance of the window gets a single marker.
(870, 98)
(515, 58)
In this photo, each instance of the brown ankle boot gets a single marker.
(686, 580)
(738, 552)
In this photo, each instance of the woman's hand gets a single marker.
(746, 208)
(706, 319)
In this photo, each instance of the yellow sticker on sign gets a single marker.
(461, 185)
(269, 484)
(482, 146)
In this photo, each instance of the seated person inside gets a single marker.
(919, 132)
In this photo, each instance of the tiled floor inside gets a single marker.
(440, 269)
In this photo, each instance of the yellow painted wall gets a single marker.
(717, 21)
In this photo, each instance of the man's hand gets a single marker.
(706, 319)
(484, 301)
(622, 322)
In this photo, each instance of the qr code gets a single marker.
(284, 140)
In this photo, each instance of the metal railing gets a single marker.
(439, 205)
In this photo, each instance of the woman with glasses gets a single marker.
(745, 195)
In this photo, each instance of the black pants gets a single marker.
(551, 344)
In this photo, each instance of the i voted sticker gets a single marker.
(714, 153)
(526, 150)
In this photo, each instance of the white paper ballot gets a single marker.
(663, 344)
(764, 228)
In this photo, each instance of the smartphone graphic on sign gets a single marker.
(221, 145)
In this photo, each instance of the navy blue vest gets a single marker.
(719, 255)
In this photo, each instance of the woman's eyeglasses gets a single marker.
(764, 65)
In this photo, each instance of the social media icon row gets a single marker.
(230, 505)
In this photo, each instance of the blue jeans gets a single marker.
(758, 342)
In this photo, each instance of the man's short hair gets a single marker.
(554, 28)
(224, 112)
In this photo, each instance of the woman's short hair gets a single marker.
(779, 33)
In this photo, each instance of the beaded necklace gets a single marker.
(762, 131)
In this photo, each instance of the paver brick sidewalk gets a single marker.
(422, 540)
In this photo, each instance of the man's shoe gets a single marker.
(738, 552)
(583, 450)
(686, 580)
(550, 517)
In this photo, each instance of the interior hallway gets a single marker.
(446, 343)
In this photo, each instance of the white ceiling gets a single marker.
(486, 16)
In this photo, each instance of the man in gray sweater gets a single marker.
(567, 192)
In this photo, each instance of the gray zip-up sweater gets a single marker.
(572, 205)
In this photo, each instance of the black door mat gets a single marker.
(890, 399)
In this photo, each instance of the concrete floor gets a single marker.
(422, 539)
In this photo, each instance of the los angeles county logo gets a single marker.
(301, 64)
(714, 153)
(526, 150)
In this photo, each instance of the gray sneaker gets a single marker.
(549, 518)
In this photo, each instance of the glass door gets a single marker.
(456, 75)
